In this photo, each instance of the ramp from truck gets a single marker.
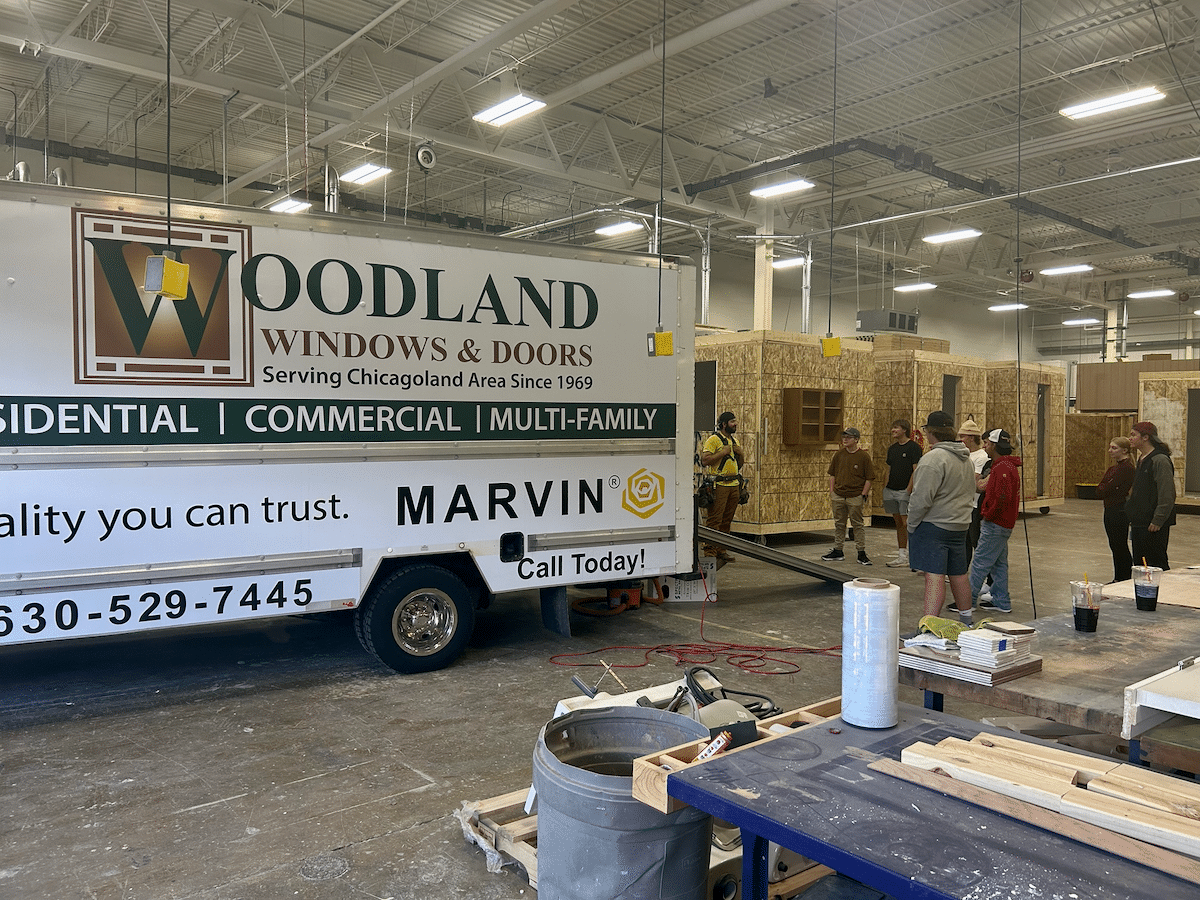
(773, 557)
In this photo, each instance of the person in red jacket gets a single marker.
(1001, 503)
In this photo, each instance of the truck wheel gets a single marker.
(418, 620)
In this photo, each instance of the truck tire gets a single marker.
(418, 619)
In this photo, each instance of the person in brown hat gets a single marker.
(1151, 503)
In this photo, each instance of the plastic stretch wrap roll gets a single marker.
(870, 652)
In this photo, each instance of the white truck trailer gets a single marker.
(339, 414)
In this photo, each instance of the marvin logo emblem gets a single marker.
(124, 335)
(644, 494)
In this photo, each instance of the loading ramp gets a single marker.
(773, 557)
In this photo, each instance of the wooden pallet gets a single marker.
(502, 829)
(650, 772)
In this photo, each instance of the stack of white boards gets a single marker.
(992, 654)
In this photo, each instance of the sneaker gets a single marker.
(985, 593)
(834, 555)
(863, 559)
(987, 605)
(900, 560)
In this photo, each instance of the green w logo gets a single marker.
(193, 321)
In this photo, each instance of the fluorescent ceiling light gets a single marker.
(919, 286)
(790, 262)
(1146, 295)
(783, 187)
(1115, 102)
(1081, 321)
(366, 173)
(619, 228)
(1067, 270)
(509, 110)
(945, 237)
(1008, 307)
(290, 205)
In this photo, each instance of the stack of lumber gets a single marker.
(1117, 797)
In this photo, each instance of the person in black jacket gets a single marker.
(1151, 503)
(1113, 489)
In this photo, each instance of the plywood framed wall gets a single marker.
(1012, 396)
(789, 487)
(1087, 438)
(1163, 400)
(909, 385)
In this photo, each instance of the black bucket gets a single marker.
(594, 839)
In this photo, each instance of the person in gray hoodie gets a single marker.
(939, 513)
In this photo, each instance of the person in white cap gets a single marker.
(1001, 503)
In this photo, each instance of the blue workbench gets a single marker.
(811, 791)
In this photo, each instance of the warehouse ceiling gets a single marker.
(909, 118)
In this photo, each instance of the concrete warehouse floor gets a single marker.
(279, 760)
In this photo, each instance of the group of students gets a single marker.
(954, 506)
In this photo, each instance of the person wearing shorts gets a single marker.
(939, 513)
(902, 458)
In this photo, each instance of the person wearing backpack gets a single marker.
(723, 458)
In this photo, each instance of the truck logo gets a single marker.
(644, 494)
(125, 336)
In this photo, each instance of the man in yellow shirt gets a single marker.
(722, 455)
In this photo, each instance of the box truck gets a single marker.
(333, 414)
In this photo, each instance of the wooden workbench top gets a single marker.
(1083, 677)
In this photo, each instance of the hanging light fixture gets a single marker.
(1084, 321)
(165, 275)
(1067, 270)
(515, 105)
(366, 173)
(1113, 103)
(1148, 294)
(789, 262)
(960, 234)
(619, 228)
(289, 205)
(1008, 307)
(912, 288)
(783, 187)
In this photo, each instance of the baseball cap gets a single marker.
(970, 427)
(852, 432)
(939, 419)
(999, 437)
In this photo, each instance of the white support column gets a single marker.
(764, 252)
(1112, 325)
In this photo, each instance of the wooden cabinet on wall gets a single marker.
(812, 416)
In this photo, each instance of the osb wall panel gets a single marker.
(795, 486)
(790, 490)
(1164, 401)
(909, 386)
(1087, 437)
(1004, 385)
(739, 364)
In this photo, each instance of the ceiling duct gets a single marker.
(875, 320)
